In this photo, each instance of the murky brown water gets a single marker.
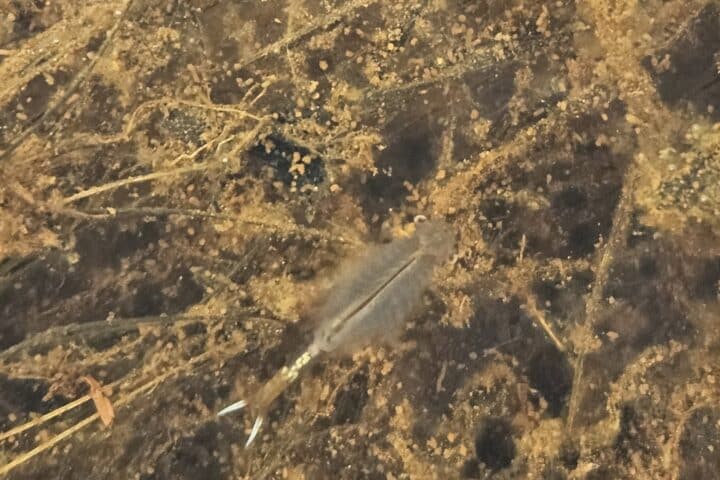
(181, 177)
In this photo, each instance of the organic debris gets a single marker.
(180, 177)
(102, 403)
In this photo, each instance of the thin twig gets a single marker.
(538, 317)
(593, 306)
(111, 212)
(44, 418)
(74, 85)
(138, 179)
(87, 421)
(48, 444)
(216, 108)
(672, 457)
(324, 22)
(162, 174)
(140, 111)
(55, 335)
(103, 327)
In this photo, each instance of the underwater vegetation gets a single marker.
(199, 197)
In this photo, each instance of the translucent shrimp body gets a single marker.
(370, 301)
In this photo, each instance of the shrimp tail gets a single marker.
(263, 399)
(233, 407)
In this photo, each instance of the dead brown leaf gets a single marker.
(102, 403)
